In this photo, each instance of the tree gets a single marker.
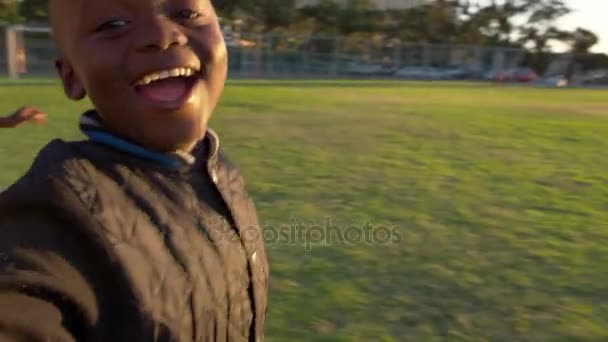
(330, 18)
(490, 24)
(9, 12)
(262, 15)
(440, 24)
(34, 11)
(226, 8)
(583, 40)
(540, 28)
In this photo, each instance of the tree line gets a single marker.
(531, 25)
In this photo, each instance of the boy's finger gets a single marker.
(38, 118)
(23, 113)
(27, 112)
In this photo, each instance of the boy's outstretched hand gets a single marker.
(22, 115)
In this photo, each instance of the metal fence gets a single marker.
(29, 52)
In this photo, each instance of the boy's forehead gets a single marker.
(66, 8)
(69, 17)
(62, 11)
(91, 4)
(65, 15)
(69, 10)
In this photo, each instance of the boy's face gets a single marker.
(154, 69)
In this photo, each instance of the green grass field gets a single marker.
(497, 197)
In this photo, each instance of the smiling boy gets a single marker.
(144, 231)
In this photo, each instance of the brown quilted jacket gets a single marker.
(99, 245)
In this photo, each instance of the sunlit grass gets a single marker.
(496, 199)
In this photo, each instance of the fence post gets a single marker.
(498, 61)
(306, 59)
(269, 56)
(11, 52)
(478, 58)
(335, 56)
(426, 54)
(397, 55)
(259, 54)
(15, 52)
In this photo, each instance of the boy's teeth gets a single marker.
(166, 74)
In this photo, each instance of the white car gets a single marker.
(423, 73)
(364, 69)
(559, 81)
(596, 77)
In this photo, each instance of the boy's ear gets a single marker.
(72, 86)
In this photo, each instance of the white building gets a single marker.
(380, 4)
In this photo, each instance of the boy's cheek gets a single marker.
(217, 70)
(220, 53)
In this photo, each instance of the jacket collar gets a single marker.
(91, 124)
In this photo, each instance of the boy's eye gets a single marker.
(188, 14)
(111, 25)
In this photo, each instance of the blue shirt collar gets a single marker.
(92, 126)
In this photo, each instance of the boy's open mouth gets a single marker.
(170, 85)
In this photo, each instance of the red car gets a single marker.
(523, 75)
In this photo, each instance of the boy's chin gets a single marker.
(179, 142)
(180, 130)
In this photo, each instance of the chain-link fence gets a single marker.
(27, 52)
(340, 57)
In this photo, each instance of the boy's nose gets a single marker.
(160, 34)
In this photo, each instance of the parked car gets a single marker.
(420, 73)
(520, 74)
(454, 73)
(555, 81)
(361, 69)
(524, 75)
(596, 77)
